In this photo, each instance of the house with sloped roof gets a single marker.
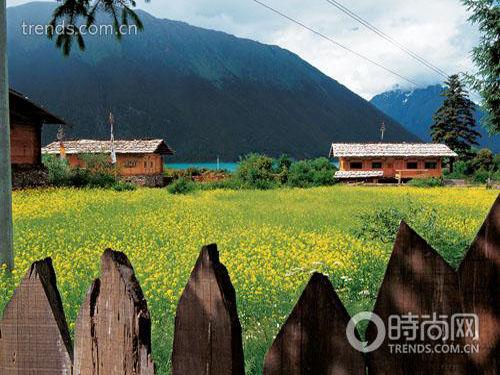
(139, 160)
(27, 119)
(389, 161)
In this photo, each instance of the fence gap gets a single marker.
(313, 339)
(113, 328)
(417, 281)
(34, 336)
(479, 275)
(207, 338)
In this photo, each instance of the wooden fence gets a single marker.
(113, 329)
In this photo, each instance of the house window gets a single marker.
(356, 165)
(412, 165)
(131, 163)
(430, 165)
(377, 165)
(145, 164)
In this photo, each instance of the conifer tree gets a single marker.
(454, 122)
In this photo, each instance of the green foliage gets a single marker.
(70, 13)
(482, 166)
(262, 172)
(257, 171)
(61, 174)
(59, 170)
(314, 172)
(123, 186)
(481, 176)
(454, 122)
(182, 186)
(383, 224)
(482, 160)
(283, 164)
(426, 182)
(486, 14)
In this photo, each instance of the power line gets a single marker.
(391, 40)
(335, 42)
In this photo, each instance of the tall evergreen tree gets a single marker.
(454, 123)
(486, 56)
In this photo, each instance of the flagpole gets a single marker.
(113, 153)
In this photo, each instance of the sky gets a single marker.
(436, 30)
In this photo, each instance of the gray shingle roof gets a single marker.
(358, 174)
(390, 149)
(91, 146)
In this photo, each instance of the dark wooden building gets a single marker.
(26, 121)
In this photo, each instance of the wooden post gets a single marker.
(418, 281)
(34, 336)
(479, 276)
(6, 231)
(113, 329)
(207, 338)
(313, 339)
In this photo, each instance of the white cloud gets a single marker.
(435, 29)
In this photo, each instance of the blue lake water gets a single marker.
(231, 167)
(212, 166)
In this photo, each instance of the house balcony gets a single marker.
(412, 173)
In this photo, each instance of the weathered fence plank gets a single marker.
(34, 336)
(417, 281)
(113, 329)
(313, 339)
(479, 276)
(207, 337)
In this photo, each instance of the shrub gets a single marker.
(483, 160)
(315, 172)
(256, 171)
(182, 186)
(426, 182)
(282, 166)
(481, 176)
(383, 224)
(61, 174)
(123, 186)
(461, 169)
(58, 169)
(98, 163)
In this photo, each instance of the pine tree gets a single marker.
(454, 123)
(486, 15)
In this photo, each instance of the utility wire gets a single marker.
(391, 40)
(335, 42)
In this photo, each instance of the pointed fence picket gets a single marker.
(113, 329)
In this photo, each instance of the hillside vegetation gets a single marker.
(207, 93)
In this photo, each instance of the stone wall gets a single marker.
(146, 180)
(26, 176)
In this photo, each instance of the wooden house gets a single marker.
(26, 121)
(389, 161)
(138, 161)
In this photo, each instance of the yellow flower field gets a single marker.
(270, 241)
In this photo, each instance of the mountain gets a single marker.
(414, 110)
(206, 92)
